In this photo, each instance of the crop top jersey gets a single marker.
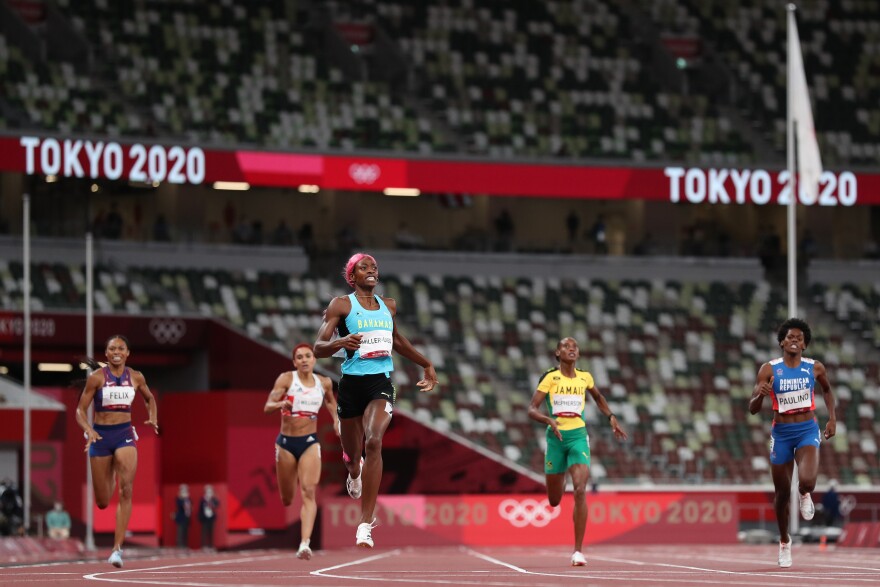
(794, 387)
(377, 327)
(306, 401)
(116, 394)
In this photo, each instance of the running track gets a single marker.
(535, 567)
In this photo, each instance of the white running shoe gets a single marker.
(578, 559)
(784, 555)
(365, 534)
(355, 486)
(116, 559)
(808, 510)
(304, 552)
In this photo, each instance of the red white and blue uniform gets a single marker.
(116, 395)
(305, 402)
(794, 392)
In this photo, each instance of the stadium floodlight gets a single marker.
(55, 367)
(308, 189)
(401, 192)
(235, 186)
(4, 370)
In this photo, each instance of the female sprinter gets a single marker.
(563, 390)
(794, 435)
(299, 395)
(111, 441)
(367, 333)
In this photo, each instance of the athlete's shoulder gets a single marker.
(775, 361)
(581, 374)
(808, 361)
(553, 373)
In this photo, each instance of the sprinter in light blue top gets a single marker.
(367, 333)
(373, 356)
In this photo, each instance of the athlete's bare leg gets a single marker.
(309, 476)
(782, 484)
(375, 423)
(580, 474)
(125, 465)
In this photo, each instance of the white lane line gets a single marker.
(610, 576)
(114, 576)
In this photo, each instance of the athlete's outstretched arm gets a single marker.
(140, 383)
(822, 377)
(763, 388)
(537, 415)
(95, 380)
(603, 406)
(277, 400)
(406, 349)
(330, 401)
(336, 311)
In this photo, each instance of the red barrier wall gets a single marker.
(526, 519)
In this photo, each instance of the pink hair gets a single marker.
(349, 267)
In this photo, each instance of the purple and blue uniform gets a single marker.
(116, 395)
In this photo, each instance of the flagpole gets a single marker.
(794, 501)
(792, 174)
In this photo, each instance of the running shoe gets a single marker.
(304, 552)
(355, 486)
(116, 559)
(785, 554)
(365, 534)
(578, 559)
(808, 510)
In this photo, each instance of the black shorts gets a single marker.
(296, 445)
(357, 391)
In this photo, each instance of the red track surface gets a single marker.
(538, 567)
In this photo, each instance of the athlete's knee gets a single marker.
(373, 444)
(286, 500)
(580, 494)
(807, 485)
(125, 491)
(554, 500)
(782, 496)
(308, 492)
(101, 503)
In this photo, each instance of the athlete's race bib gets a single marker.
(791, 401)
(117, 398)
(567, 404)
(306, 402)
(376, 344)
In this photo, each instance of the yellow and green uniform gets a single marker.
(566, 401)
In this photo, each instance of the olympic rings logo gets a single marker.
(528, 512)
(363, 173)
(167, 330)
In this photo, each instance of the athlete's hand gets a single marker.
(337, 428)
(619, 433)
(830, 429)
(91, 438)
(766, 387)
(154, 425)
(555, 426)
(286, 406)
(430, 380)
(352, 342)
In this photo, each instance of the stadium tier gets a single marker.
(676, 360)
(576, 78)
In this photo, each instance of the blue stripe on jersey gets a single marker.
(361, 320)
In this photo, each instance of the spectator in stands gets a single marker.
(242, 234)
(831, 504)
(11, 510)
(599, 236)
(161, 231)
(282, 236)
(790, 380)
(58, 522)
(306, 238)
(563, 391)
(113, 223)
(504, 231)
(182, 514)
(645, 246)
(111, 439)
(367, 333)
(808, 248)
(572, 224)
(257, 232)
(299, 395)
(208, 506)
(404, 238)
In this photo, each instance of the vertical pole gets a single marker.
(26, 285)
(90, 345)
